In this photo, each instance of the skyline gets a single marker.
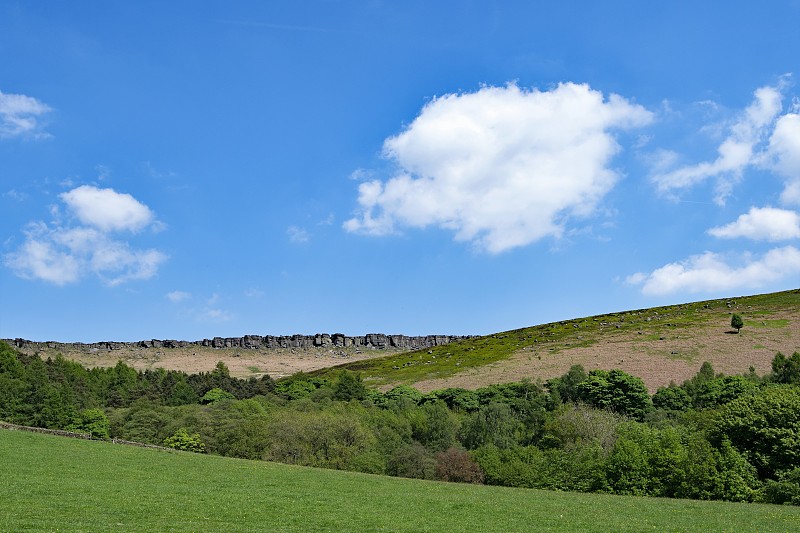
(186, 172)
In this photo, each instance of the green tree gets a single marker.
(458, 399)
(576, 426)
(721, 390)
(692, 386)
(617, 391)
(764, 427)
(784, 490)
(401, 397)
(492, 424)
(412, 460)
(672, 398)
(181, 440)
(14, 387)
(736, 322)
(435, 426)
(349, 386)
(565, 387)
(215, 395)
(182, 394)
(786, 370)
(91, 421)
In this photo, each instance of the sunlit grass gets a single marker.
(58, 484)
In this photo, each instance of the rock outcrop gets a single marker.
(371, 341)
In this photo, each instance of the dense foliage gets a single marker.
(713, 437)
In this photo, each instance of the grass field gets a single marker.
(54, 483)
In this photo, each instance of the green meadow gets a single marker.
(52, 483)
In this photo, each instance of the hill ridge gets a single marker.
(256, 342)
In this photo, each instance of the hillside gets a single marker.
(53, 483)
(659, 345)
(247, 356)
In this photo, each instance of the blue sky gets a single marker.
(187, 170)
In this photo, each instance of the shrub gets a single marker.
(181, 440)
(412, 460)
(457, 465)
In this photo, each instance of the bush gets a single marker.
(181, 440)
(412, 460)
(785, 490)
(578, 425)
(457, 465)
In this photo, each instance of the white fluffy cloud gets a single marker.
(735, 153)
(762, 224)
(784, 154)
(709, 272)
(19, 115)
(107, 209)
(501, 167)
(64, 253)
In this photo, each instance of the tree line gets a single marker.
(722, 437)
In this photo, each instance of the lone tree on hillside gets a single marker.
(736, 322)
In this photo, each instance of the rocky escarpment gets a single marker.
(375, 341)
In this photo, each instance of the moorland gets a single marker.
(674, 404)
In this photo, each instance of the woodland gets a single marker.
(712, 437)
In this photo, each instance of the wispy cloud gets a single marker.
(20, 116)
(501, 167)
(784, 154)
(15, 195)
(758, 136)
(178, 296)
(297, 235)
(216, 315)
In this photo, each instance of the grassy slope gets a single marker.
(54, 483)
(554, 338)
